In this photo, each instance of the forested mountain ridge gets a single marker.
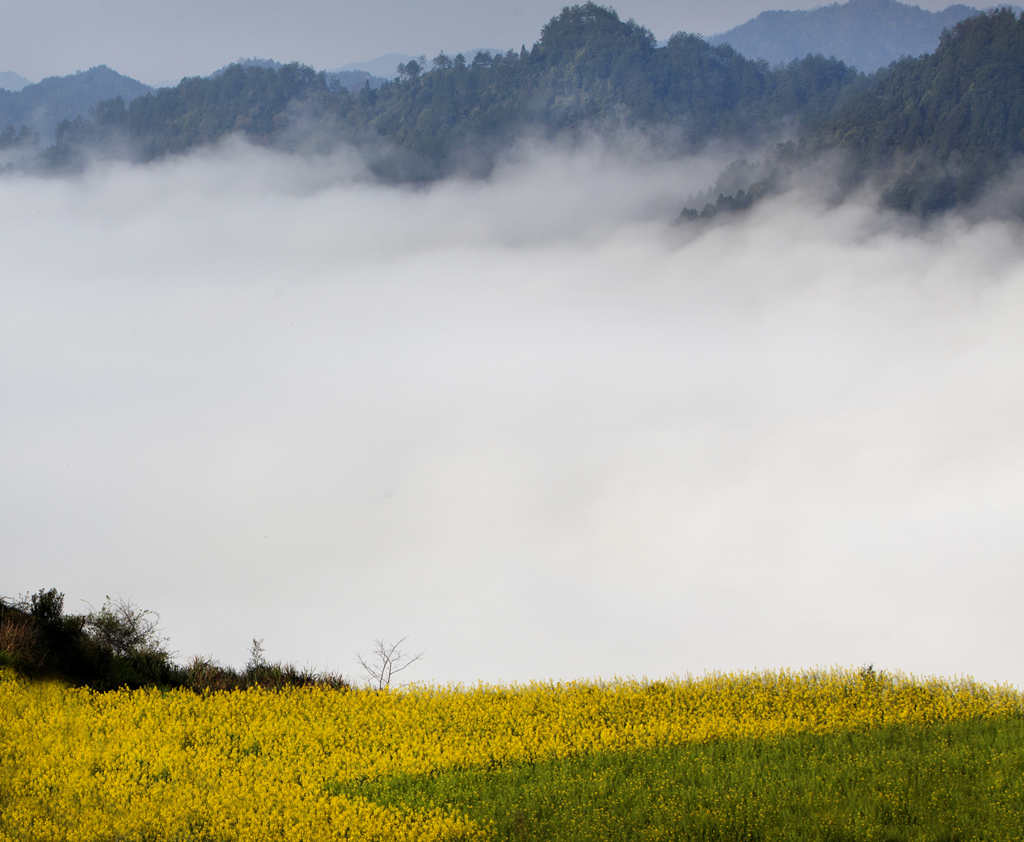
(11, 81)
(353, 80)
(934, 130)
(941, 125)
(43, 105)
(932, 133)
(589, 70)
(866, 34)
(241, 98)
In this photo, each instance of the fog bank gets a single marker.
(526, 422)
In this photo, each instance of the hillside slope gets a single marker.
(42, 106)
(866, 34)
(590, 71)
(11, 81)
(942, 126)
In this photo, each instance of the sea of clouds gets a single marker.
(526, 421)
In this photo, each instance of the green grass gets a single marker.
(959, 781)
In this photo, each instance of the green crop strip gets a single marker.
(952, 781)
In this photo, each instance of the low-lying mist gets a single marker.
(527, 422)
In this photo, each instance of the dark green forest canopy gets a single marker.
(938, 127)
(943, 125)
(932, 132)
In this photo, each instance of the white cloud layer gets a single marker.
(525, 422)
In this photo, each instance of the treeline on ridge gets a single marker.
(120, 645)
(934, 130)
(589, 70)
(942, 127)
(933, 133)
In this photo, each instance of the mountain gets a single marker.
(42, 106)
(352, 80)
(941, 127)
(932, 133)
(383, 66)
(267, 63)
(589, 71)
(12, 81)
(866, 34)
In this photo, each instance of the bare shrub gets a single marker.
(386, 661)
(126, 629)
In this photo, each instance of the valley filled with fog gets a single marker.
(527, 421)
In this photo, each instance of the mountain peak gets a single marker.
(11, 81)
(867, 34)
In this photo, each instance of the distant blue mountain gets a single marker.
(43, 105)
(385, 66)
(866, 34)
(11, 81)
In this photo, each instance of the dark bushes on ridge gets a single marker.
(120, 646)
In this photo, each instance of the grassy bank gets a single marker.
(950, 781)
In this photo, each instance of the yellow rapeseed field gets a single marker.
(269, 765)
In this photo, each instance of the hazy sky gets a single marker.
(162, 41)
(526, 422)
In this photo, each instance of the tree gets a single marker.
(257, 656)
(410, 70)
(126, 629)
(387, 660)
(47, 606)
